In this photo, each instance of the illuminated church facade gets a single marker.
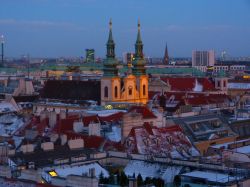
(133, 88)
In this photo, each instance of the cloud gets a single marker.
(39, 24)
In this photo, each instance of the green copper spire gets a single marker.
(110, 62)
(138, 44)
(139, 62)
(110, 43)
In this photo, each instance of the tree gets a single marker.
(158, 182)
(101, 178)
(123, 179)
(148, 180)
(177, 180)
(162, 101)
(111, 179)
(139, 180)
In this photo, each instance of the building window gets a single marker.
(144, 89)
(218, 83)
(106, 91)
(130, 90)
(116, 92)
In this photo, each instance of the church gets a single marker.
(133, 88)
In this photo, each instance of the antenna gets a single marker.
(2, 46)
(28, 56)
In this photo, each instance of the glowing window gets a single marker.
(144, 89)
(116, 92)
(53, 174)
(106, 91)
(130, 90)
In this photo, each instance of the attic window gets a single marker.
(116, 92)
(106, 91)
(144, 89)
(130, 90)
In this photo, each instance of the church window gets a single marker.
(106, 91)
(144, 89)
(130, 90)
(116, 92)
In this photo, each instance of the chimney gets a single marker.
(47, 146)
(92, 172)
(63, 139)
(52, 119)
(62, 114)
(76, 143)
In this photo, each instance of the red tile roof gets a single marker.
(188, 83)
(146, 113)
(89, 141)
(88, 119)
(95, 141)
(112, 117)
(157, 139)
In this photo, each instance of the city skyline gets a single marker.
(64, 28)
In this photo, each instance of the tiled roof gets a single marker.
(168, 141)
(192, 98)
(96, 142)
(64, 125)
(72, 90)
(188, 83)
(88, 119)
(113, 117)
(146, 113)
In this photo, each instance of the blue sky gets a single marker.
(54, 28)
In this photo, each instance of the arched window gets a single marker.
(106, 91)
(144, 89)
(130, 89)
(116, 92)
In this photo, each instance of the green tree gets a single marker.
(111, 178)
(101, 178)
(177, 180)
(148, 180)
(123, 179)
(139, 180)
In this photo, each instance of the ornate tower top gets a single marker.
(166, 57)
(139, 62)
(110, 43)
(110, 62)
(138, 44)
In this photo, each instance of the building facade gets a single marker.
(133, 88)
(203, 58)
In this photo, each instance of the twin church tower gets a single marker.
(133, 88)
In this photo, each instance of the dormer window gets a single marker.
(116, 92)
(106, 91)
(130, 90)
(144, 89)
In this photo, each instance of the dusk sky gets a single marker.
(54, 28)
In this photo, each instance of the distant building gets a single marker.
(166, 57)
(128, 58)
(203, 58)
(133, 88)
(90, 55)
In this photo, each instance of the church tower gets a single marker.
(166, 57)
(110, 82)
(132, 88)
(139, 70)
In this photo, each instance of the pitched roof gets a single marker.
(188, 83)
(168, 141)
(146, 113)
(72, 90)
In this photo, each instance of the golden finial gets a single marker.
(110, 24)
(139, 24)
